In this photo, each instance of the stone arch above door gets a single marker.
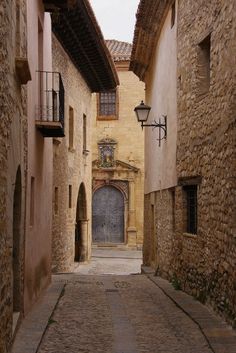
(121, 185)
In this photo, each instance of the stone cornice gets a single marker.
(118, 165)
(149, 21)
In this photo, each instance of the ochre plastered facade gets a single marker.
(127, 175)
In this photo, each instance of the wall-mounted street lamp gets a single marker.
(142, 112)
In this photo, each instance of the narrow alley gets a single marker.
(123, 312)
(117, 176)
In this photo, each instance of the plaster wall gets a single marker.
(161, 91)
(13, 140)
(40, 164)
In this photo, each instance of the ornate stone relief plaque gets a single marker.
(106, 149)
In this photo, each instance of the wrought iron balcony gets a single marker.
(50, 108)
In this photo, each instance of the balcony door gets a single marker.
(108, 216)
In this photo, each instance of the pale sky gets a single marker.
(116, 18)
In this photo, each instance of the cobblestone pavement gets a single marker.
(110, 261)
(119, 314)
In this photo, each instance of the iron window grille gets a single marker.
(191, 199)
(108, 103)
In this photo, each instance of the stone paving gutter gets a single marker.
(220, 336)
(31, 331)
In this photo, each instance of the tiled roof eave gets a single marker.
(78, 32)
(149, 21)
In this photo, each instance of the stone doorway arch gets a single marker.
(108, 215)
(81, 227)
(17, 243)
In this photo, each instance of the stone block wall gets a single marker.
(13, 142)
(202, 264)
(159, 223)
(205, 263)
(72, 165)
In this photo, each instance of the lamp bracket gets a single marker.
(162, 128)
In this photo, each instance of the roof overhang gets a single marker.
(149, 21)
(76, 28)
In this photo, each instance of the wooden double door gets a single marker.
(108, 216)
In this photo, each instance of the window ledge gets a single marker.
(190, 235)
(107, 117)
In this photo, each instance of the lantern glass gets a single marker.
(142, 111)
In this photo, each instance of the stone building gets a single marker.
(40, 116)
(26, 163)
(86, 66)
(156, 64)
(13, 163)
(118, 158)
(190, 221)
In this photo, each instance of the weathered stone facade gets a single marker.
(127, 166)
(13, 141)
(159, 225)
(205, 263)
(72, 165)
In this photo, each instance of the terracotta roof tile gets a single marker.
(120, 51)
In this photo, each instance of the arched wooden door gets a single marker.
(108, 215)
(81, 219)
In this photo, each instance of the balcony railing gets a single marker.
(50, 108)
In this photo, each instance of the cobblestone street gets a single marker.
(91, 311)
(120, 314)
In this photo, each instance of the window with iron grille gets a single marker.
(107, 105)
(191, 203)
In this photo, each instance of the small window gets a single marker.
(56, 201)
(71, 128)
(84, 133)
(204, 64)
(191, 206)
(173, 12)
(32, 201)
(173, 208)
(108, 105)
(70, 196)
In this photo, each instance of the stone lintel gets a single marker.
(190, 180)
